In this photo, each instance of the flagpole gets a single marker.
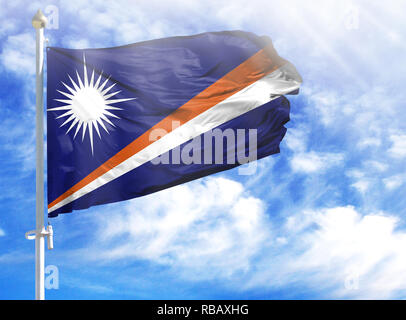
(39, 22)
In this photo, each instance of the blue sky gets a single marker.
(325, 218)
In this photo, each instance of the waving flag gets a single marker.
(127, 121)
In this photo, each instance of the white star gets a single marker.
(88, 104)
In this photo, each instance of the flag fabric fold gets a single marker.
(128, 121)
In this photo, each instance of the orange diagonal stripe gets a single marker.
(257, 66)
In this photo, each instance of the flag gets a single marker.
(127, 121)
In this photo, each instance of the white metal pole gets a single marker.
(39, 21)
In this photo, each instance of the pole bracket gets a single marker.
(48, 232)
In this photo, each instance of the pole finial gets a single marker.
(39, 20)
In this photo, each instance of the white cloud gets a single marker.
(361, 185)
(369, 142)
(325, 248)
(18, 138)
(18, 54)
(314, 162)
(394, 182)
(216, 230)
(362, 181)
(84, 284)
(122, 22)
(16, 257)
(296, 139)
(76, 43)
(369, 129)
(365, 117)
(398, 148)
(348, 242)
(2, 233)
(375, 165)
(326, 103)
(214, 226)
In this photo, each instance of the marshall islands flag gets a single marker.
(128, 121)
